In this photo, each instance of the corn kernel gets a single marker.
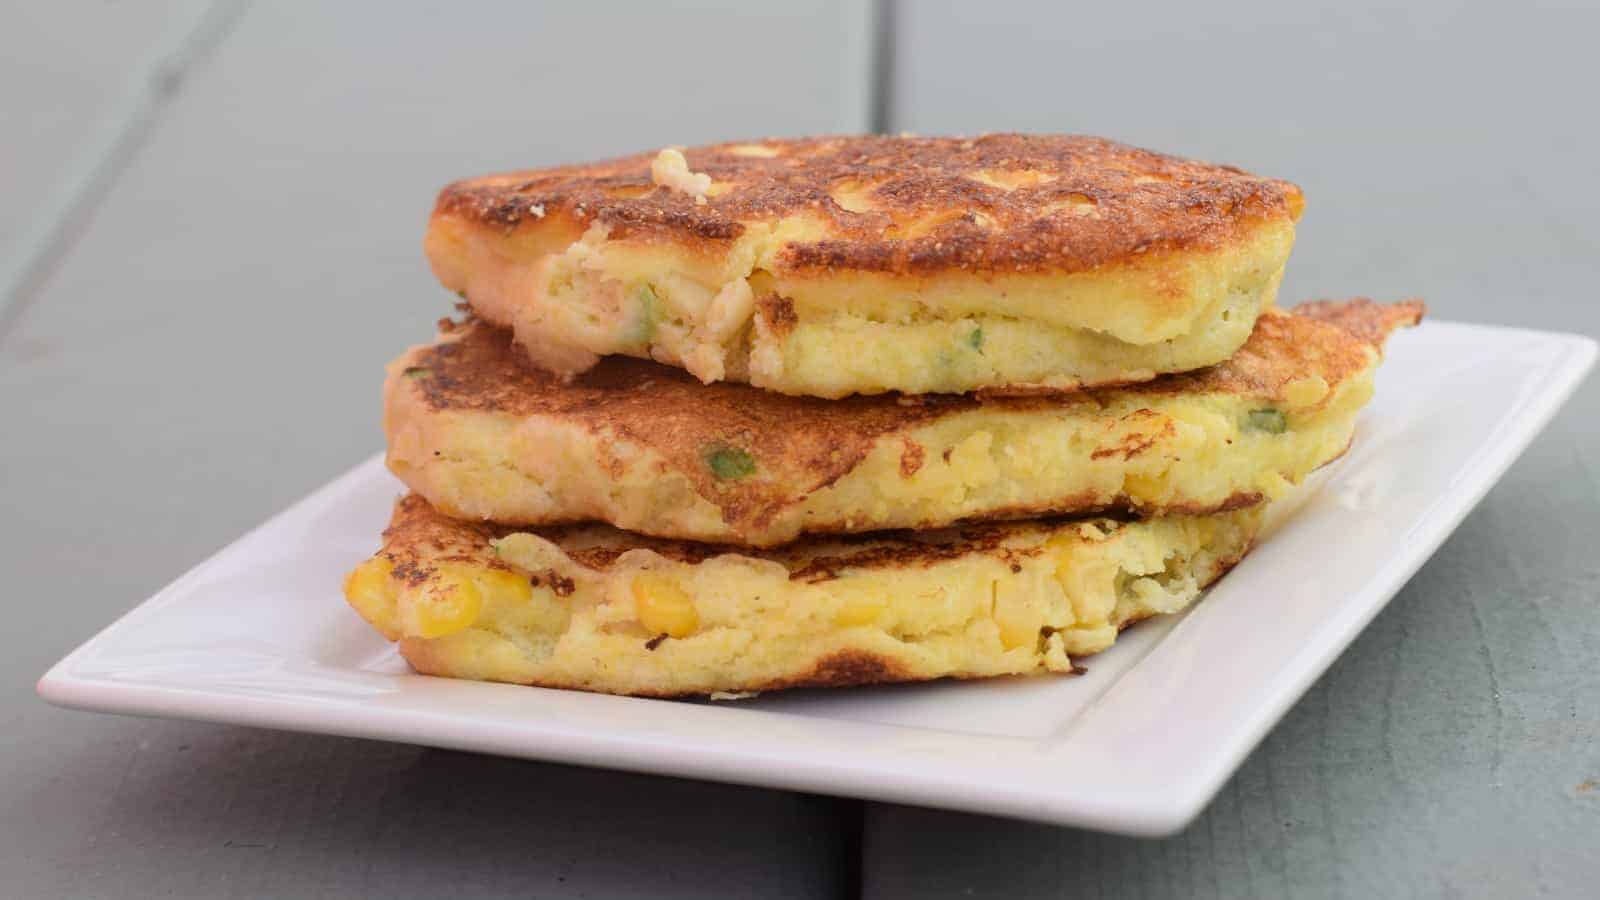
(1307, 391)
(859, 611)
(662, 607)
(1019, 622)
(1089, 587)
(501, 587)
(371, 591)
(448, 604)
(1144, 488)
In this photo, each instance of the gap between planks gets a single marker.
(40, 251)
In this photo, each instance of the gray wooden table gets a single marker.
(209, 246)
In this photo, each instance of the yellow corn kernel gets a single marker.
(1196, 424)
(859, 611)
(1019, 622)
(371, 591)
(662, 607)
(500, 587)
(511, 603)
(1145, 488)
(449, 603)
(1089, 586)
(1307, 391)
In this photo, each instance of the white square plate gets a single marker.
(259, 635)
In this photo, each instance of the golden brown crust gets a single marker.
(1368, 320)
(419, 538)
(800, 445)
(903, 549)
(903, 205)
(850, 668)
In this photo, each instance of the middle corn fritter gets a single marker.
(484, 436)
(846, 410)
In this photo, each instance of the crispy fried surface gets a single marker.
(1371, 322)
(466, 414)
(904, 205)
(583, 607)
(419, 539)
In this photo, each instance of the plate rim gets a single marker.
(1125, 810)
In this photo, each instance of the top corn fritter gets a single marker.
(832, 266)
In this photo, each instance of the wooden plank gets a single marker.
(1451, 752)
(210, 349)
(77, 79)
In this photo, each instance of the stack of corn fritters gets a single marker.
(846, 410)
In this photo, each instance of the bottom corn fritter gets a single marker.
(599, 609)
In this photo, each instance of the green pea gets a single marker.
(730, 463)
(642, 330)
(975, 339)
(1270, 420)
